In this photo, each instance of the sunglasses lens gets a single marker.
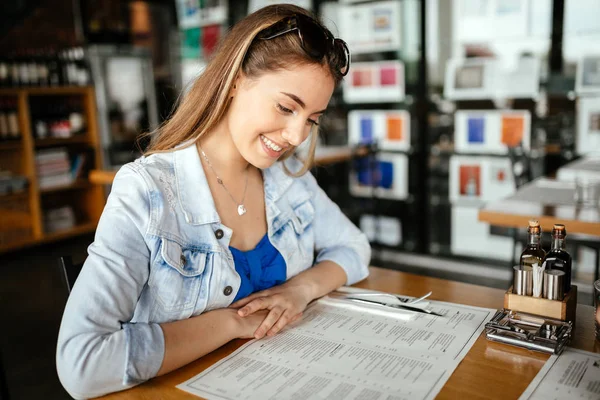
(314, 39)
(342, 55)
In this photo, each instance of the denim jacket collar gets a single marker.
(194, 193)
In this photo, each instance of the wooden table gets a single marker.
(489, 371)
(547, 200)
(323, 156)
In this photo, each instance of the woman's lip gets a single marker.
(283, 148)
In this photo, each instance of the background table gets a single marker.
(324, 155)
(547, 200)
(489, 371)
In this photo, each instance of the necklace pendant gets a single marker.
(241, 210)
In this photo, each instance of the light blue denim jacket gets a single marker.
(157, 257)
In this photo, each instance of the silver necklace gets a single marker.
(241, 209)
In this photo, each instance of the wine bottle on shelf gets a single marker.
(533, 253)
(3, 121)
(32, 68)
(42, 67)
(23, 71)
(558, 258)
(14, 73)
(54, 71)
(76, 117)
(4, 73)
(13, 120)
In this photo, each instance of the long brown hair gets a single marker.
(207, 101)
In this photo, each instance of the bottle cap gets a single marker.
(559, 229)
(534, 223)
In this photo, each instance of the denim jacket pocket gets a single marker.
(303, 216)
(176, 277)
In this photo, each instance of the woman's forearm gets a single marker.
(190, 339)
(321, 279)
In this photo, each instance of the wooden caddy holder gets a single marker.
(564, 310)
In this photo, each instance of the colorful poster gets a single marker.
(366, 130)
(190, 43)
(470, 180)
(394, 128)
(476, 129)
(385, 176)
(512, 130)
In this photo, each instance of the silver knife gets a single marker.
(399, 306)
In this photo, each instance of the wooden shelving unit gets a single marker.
(22, 214)
(51, 142)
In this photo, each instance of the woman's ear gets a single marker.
(237, 83)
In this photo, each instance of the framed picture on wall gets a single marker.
(371, 27)
(588, 125)
(375, 82)
(384, 176)
(587, 79)
(488, 78)
(382, 229)
(474, 179)
(389, 129)
(491, 131)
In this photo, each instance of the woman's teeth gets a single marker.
(270, 144)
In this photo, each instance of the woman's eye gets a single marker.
(284, 109)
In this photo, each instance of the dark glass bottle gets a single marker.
(533, 252)
(558, 257)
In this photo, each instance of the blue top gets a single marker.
(260, 268)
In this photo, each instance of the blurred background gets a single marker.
(459, 120)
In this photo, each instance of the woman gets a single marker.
(211, 236)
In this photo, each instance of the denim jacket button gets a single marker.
(227, 291)
(183, 260)
(219, 233)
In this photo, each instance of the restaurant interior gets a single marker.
(459, 125)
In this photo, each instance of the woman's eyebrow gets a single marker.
(300, 102)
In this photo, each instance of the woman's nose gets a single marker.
(295, 134)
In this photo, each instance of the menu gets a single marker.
(337, 351)
(574, 374)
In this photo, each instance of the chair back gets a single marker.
(68, 272)
(4, 393)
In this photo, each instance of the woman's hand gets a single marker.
(284, 304)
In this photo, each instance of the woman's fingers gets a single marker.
(282, 322)
(271, 319)
(246, 300)
(260, 303)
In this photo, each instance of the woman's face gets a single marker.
(273, 114)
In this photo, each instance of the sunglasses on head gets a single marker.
(316, 40)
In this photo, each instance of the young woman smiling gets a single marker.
(217, 232)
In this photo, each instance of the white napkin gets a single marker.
(538, 279)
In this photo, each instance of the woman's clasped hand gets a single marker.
(284, 304)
